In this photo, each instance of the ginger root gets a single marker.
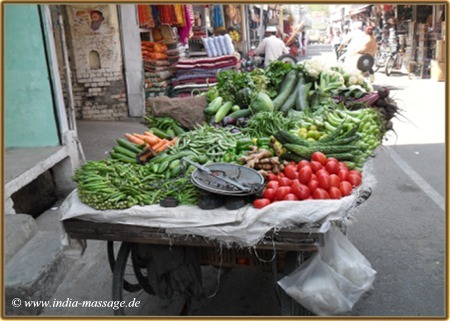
(254, 156)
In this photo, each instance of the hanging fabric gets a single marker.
(180, 15)
(155, 13)
(185, 31)
(145, 16)
(219, 22)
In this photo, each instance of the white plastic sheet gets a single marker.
(245, 226)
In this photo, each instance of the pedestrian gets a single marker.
(368, 43)
(305, 26)
(271, 46)
(353, 43)
(336, 42)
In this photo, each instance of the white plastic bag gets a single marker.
(317, 287)
(341, 255)
(332, 281)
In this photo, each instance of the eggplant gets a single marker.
(383, 92)
(228, 121)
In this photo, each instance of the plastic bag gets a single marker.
(332, 281)
(341, 255)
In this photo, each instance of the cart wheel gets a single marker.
(119, 293)
(140, 270)
(131, 284)
(289, 306)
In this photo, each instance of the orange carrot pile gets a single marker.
(151, 140)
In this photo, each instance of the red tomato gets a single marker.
(342, 165)
(332, 159)
(313, 184)
(322, 171)
(301, 191)
(315, 166)
(269, 193)
(302, 163)
(324, 181)
(343, 174)
(272, 177)
(346, 188)
(319, 157)
(273, 184)
(261, 202)
(305, 174)
(280, 175)
(320, 194)
(314, 176)
(354, 171)
(290, 197)
(291, 171)
(354, 179)
(284, 181)
(334, 180)
(332, 166)
(335, 193)
(281, 192)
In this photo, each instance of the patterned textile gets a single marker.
(207, 63)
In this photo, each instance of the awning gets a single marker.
(357, 8)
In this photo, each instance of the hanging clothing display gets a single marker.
(145, 15)
(219, 22)
(185, 31)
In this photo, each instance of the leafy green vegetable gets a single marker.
(275, 73)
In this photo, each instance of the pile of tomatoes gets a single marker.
(321, 178)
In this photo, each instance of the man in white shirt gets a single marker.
(271, 46)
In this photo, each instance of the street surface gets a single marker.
(400, 229)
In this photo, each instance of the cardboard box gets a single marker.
(438, 70)
(441, 50)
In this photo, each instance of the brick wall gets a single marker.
(99, 89)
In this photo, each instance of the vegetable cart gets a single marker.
(307, 131)
(279, 250)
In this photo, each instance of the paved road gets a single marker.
(400, 229)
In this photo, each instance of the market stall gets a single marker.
(272, 161)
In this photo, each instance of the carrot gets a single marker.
(134, 139)
(150, 134)
(173, 141)
(162, 145)
(147, 139)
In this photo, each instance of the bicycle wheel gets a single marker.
(288, 59)
(289, 306)
(131, 283)
(389, 66)
(378, 62)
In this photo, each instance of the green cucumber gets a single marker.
(160, 133)
(124, 151)
(223, 111)
(128, 145)
(163, 167)
(213, 106)
(285, 91)
(240, 113)
(174, 164)
(123, 158)
(290, 102)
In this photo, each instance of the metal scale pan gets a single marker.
(243, 175)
